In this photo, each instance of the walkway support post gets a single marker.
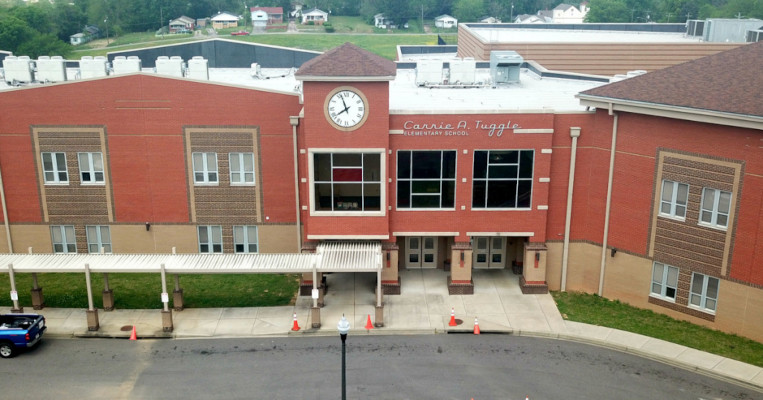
(92, 312)
(379, 314)
(166, 312)
(315, 311)
(108, 294)
(14, 293)
(38, 300)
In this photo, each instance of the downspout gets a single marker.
(609, 201)
(574, 134)
(294, 122)
(5, 214)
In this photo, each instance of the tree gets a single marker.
(44, 45)
(608, 11)
(468, 10)
(398, 11)
(13, 32)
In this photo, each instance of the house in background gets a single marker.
(531, 19)
(445, 21)
(380, 21)
(316, 16)
(259, 20)
(296, 11)
(274, 15)
(568, 14)
(490, 20)
(224, 20)
(182, 24)
(89, 33)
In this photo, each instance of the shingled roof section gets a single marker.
(728, 82)
(347, 61)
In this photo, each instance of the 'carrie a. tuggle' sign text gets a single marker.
(462, 128)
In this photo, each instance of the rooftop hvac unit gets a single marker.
(90, 67)
(505, 66)
(695, 27)
(18, 69)
(169, 66)
(463, 71)
(51, 69)
(428, 72)
(198, 68)
(127, 65)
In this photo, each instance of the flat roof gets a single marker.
(532, 93)
(490, 34)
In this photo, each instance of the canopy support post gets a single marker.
(14, 293)
(166, 312)
(92, 312)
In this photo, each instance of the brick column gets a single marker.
(460, 279)
(390, 269)
(533, 279)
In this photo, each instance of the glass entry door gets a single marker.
(420, 252)
(489, 252)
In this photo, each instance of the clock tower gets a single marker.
(343, 140)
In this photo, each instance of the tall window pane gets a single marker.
(502, 179)
(347, 181)
(426, 179)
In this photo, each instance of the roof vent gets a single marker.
(170, 66)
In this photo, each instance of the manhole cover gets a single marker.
(126, 328)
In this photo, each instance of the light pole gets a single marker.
(343, 327)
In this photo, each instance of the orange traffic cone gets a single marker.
(369, 325)
(134, 335)
(476, 326)
(295, 327)
(452, 317)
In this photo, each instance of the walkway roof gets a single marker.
(329, 257)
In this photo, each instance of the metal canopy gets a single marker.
(329, 257)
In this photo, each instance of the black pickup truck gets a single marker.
(18, 331)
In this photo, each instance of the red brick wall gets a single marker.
(144, 118)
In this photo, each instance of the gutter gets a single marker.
(294, 121)
(5, 214)
(574, 133)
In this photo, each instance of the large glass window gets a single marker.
(210, 239)
(54, 168)
(63, 239)
(426, 179)
(716, 205)
(674, 198)
(90, 167)
(245, 239)
(347, 181)
(241, 168)
(502, 179)
(205, 168)
(704, 291)
(98, 236)
(664, 281)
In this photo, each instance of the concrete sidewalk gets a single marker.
(424, 307)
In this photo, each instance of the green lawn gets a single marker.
(596, 310)
(384, 45)
(143, 291)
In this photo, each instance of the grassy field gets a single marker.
(595, 310)
(142, 291)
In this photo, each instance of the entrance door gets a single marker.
(489, 252)
(421, 252)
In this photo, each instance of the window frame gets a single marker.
(241, 171)
(55, 168)
(487, 179)
(64, 231)
(382, 187)
(702, 294)
(205, 169)
(98, 240)
(411, 180)
(674, 201)
(246, 241)
(91, 169)
(664, 282)
(212, 232)
(715, 212)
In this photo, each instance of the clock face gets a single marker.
(346, 109)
